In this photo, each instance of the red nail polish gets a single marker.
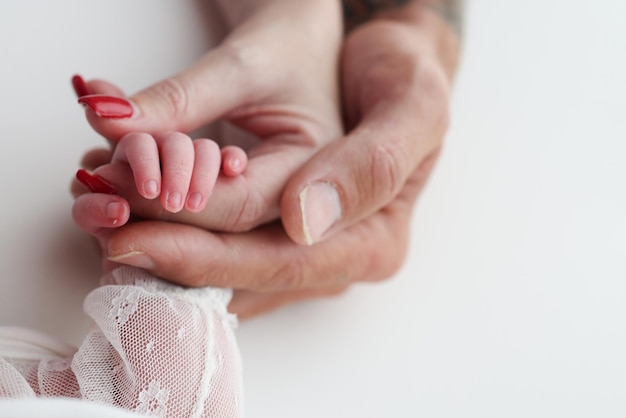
(80, 87)
(107, 107)
(94, 183)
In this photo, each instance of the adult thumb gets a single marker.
(354, 177)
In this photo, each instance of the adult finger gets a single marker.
(90, 161)
(183, 102)
(264, 259)
(96, 86)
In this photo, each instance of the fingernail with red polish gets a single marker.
(80, 87)
(108, 107)
(94, 183)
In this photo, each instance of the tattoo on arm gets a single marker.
(359, 11)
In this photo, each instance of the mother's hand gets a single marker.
(356, 195)
(274, 76)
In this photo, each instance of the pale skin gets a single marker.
(396, 70)
(162, 166)
(180, 171)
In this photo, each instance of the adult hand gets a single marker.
(396, 75)
(275, 76)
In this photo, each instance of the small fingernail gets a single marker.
(174, 201)
(80, 87)
(151, 189)
(114, 211)
(321, 209)
(135, 259)
(194, 201)
(108, 107)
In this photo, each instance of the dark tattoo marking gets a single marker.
(359, 11)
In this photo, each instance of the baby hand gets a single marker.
(180, 171)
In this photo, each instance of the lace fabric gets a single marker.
(154, 348)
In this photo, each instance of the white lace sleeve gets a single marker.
(155, 348)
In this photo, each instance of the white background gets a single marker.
(513, 300)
